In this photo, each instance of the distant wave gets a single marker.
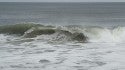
(70, 32)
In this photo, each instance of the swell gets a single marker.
(34, 30)
(57, 33)
(67, 33)
(17, 28)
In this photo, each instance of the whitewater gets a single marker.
(72, 47)
(62, 36)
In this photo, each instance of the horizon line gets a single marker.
(64, 2)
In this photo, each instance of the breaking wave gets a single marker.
(66, 33)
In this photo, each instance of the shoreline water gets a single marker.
(62, 36)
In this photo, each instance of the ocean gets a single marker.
(62, 36)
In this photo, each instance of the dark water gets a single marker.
(103, 14)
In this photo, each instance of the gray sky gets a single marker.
(62, 0)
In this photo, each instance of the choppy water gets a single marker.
(62, 36)
(19, 53)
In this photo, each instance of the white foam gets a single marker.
(105, 34)
(5, 38)
(67, 56)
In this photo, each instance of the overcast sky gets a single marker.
(62, 0)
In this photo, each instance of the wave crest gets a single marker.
(69, 33)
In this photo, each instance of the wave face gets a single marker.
(66, 33)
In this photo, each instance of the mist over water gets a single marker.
(62, 36)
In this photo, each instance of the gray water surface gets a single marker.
(97, 14)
